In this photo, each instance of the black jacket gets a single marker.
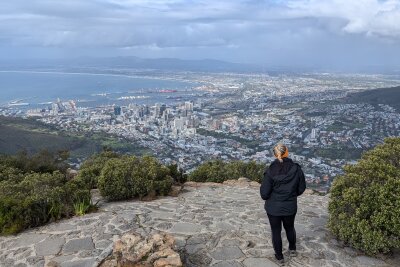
(282, 184)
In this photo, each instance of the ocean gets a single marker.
(39, 88)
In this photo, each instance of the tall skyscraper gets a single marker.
(117, 110)
(313, 133)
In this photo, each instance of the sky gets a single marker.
(338, 34)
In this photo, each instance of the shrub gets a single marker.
(219, 171)
(364, 208)
(43, 161)
(29, 199)
(91, 168)
(128, 177)
(177, 174)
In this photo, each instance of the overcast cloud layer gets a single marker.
(331, 33)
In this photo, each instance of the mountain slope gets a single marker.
(389, 96)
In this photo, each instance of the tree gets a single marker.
(364, 208)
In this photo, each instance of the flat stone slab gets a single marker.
(49, 246)
(80, 244)
(368, 261)
(79, 263)
(29, 239)
(227, 253)
(259, 262)
(185, 228)
(228, 264)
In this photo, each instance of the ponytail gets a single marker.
(280, 152)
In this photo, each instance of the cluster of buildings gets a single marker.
(242, 118)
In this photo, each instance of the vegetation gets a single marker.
(35, 190)
(128, 177)
(364, 210)
(338, 126)
(90, 170)
(220, 135)
(389, 96)
(219, 171)
(34, 136)
(338, 152)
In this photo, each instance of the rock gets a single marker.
(71, 174)
(52, 264)
(259, 262)
(152, 195)
(242, 181)
(35, 261)
(228, 264)
(49, 246)
(79, 263)
(308, 192)
(185, 228)
(192, 184)
(172, 260)
(79, 244)
(29, 239)
(199, 259)
(135, 250)
(350, 251)
(227, 253)
(175, 190)
(254, 184)
(196, 185)
(368, 261)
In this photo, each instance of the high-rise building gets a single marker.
(313, 133)
(117, 110)
(54, 109)
(179, 123)
(189, 106)
(158, 110)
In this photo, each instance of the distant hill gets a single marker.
(164, 64)
(389, 96)
(17, 134)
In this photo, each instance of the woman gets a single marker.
(283, 182)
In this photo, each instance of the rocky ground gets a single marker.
(214, 225)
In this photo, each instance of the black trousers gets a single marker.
(276, 229)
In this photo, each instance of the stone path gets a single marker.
(214, 225)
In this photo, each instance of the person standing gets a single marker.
(283, 182)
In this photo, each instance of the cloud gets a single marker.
(246, 30)
(169, 23)
(369, 17)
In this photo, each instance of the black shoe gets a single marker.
(292, 253)
(280, 260)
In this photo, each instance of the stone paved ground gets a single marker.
(214, 226)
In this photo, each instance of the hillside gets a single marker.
(160, 64)
(389, 96)
(18, 134)
(214, 225)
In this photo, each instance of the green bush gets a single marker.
(177, 174)
(91, 168)
(36, 192)
(43, 161)
(129, 177)
(219, 171)
(364, 208)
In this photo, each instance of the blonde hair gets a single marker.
(281, 151)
